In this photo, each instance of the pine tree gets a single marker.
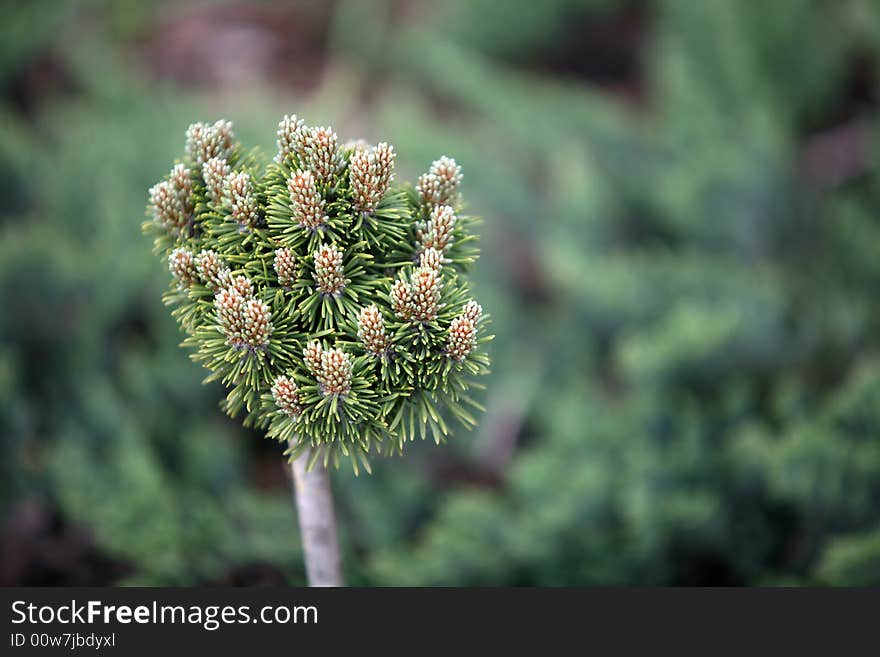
(332, 303)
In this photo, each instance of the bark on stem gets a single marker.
(317, 522)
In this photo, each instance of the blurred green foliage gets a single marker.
(683, 291)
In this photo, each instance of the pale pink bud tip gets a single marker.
(401, 300)
(286, 396)
(308, 206)
(204, 141)
(212, 270)
(215, 173)
(473, 311)
(171, 200)
(370, 174)
(312, 356)
(425, 294)
(440, 185)
(286, 267)
(329, 270)
(289, 137)
(182, 267)
(245, 320)
(431, 258)
(241, 199)
(371, 330)
(462, 338)
(437, 231)
(319, 152)
(334, 375)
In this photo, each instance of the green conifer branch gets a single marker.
(329, 300)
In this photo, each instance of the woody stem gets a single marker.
(317, 522)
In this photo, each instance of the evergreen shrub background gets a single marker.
(681, 255)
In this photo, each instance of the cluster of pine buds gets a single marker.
(204, 141)
(329, 272)
(171, 200)
(440, 185)
(182, 267)
(210, 147)
(431, 258)
(289, 137)
(370, 174)
(419, 300)
(330, 299)
(437, 231)
(424, 294)
(462, 338)
(371, 331)
(212, 270)
(215, 173)
(331, 367)
(308, 205)
(242, 199)
(318, 150)
(312, 356)
(245, 320)
(286, 267)
(286, 396)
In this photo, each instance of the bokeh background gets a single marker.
(681, 254)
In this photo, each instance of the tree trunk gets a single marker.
(317, 522)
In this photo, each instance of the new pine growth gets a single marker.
(386, 339)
